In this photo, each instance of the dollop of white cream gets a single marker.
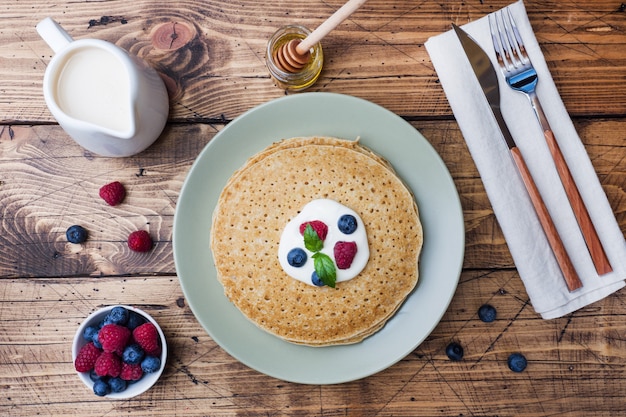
(329, 212)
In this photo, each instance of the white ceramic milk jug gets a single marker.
(110, 102)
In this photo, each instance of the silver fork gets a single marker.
(521, 76)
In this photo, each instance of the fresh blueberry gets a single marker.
(117, 384)
(117, 315)
(487, 313)
(150, 364)
(95, 377)
(454, 351)
(296, 257)
(315, 279)
(101, 388)
(76, 234)
(96, 341)
(517, 362)
(134, 320)
(347, 224)
(90, 332)
(133, 354)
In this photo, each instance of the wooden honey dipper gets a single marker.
(295, 54)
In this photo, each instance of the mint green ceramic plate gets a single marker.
(322, 114)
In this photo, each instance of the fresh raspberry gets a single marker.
(147, 337)
(86, 358)
(344, 254)
(319, 226)
(108, 364)
(140, 241)
(131, 372)
(113, 193)
(113, 338)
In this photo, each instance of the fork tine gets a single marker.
(515, 39)
(518, 37)
(507, 43)
(497, 43)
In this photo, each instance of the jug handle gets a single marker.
(55, 36)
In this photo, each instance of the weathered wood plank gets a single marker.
(48, 183)
(581, 356)
(211, 53)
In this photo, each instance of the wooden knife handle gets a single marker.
(600, 260)
(569, 273)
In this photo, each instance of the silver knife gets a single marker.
(488, 80)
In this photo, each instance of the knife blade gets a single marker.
(488, 80)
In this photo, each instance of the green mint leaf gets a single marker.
(311, 240)
(325, 268)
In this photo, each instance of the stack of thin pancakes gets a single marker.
(267, 192)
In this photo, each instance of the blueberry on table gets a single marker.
(517, 362)
(76, 234)
(487, 313)
(454, 351)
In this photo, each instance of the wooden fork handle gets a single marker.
(598, 255)
(600, 260)
(562, 258)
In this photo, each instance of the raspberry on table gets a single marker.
(86, 358)
(76, 234)
(108, 364)
(140, 241)
(113, 338)
(113, 193)
(147, 337)
(344, 253)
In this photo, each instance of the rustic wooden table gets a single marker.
(211, 54)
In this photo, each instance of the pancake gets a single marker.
(267, 192)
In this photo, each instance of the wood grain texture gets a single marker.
(578, 356)
(48, 183)
(211, 55)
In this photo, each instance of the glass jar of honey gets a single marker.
(303, 78)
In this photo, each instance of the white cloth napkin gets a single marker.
(526, 240)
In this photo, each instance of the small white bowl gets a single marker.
(135, 388)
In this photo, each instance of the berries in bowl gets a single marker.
(119, 352)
